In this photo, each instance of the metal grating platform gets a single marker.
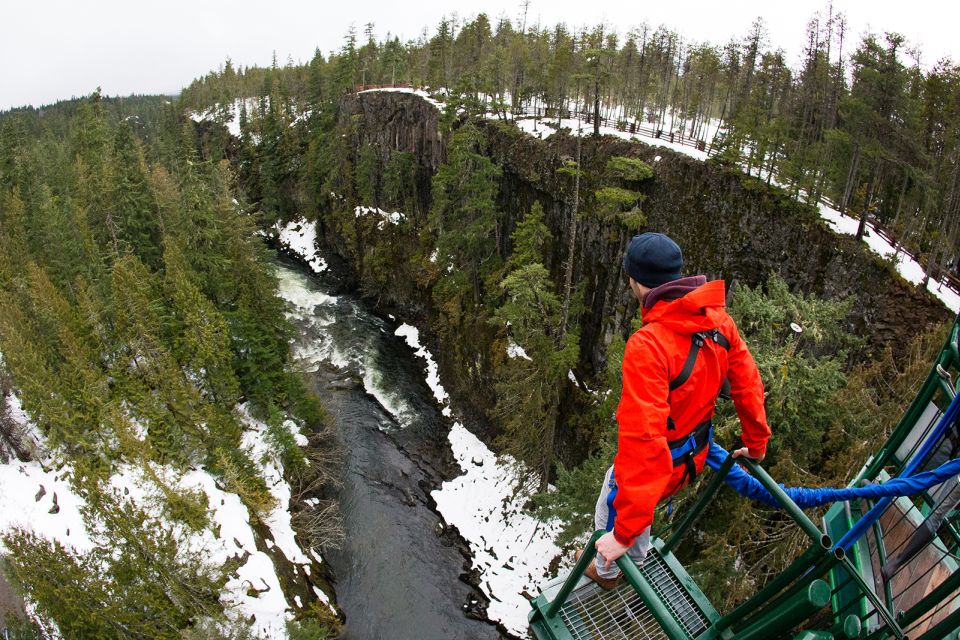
(591, 613)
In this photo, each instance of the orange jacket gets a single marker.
(654, 355)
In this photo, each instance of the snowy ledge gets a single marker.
(512, 550)
(417, 92)
(300, 237)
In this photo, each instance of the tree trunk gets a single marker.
(596, 106)
(571, 247)
(871, 190)
(851, 179)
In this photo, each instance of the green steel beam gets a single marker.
(790, 614)
(798, 568)
(947, 389)
(664, 618)
(813, 635)
(795, 512)
(554, 608)
(690, 517)
(943, 628)
(821, 568)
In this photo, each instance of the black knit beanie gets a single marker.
(653, 259)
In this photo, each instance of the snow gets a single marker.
(22, 482)
(906, 266)
(232, 120)
(394, 217)
(516, 351)
(512, 549)
(417, 92)
(412, 336)
(300, 237)
(545, 127)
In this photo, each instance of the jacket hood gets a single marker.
(700, 309)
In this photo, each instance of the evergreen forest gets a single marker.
(142, 331)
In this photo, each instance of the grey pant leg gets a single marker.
(637, 552)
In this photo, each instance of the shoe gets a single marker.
(607, 584)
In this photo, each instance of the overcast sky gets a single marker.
(56, 49)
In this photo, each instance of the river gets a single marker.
(397, 576)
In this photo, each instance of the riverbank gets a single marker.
(507, 551)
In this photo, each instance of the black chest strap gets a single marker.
(696, 343)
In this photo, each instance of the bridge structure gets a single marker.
(871, 569)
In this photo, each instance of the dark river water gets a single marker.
(397, 576)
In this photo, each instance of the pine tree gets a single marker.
(530, 392)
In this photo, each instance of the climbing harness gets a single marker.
(683, 451)
(686, 449)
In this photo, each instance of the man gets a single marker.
(673, 370)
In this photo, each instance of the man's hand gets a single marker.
(744, 452)
(610, 549)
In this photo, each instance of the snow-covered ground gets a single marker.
(31, 489)
(417, 92)
(511, 548)
(300, 237)
(229, 114)
(541, 128)
(906, 266)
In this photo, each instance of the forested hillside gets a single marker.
(146, 356)
(141, 332)
(865, 122)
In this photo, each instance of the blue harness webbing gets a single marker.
(682, 451)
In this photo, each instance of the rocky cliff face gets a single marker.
(396, 120)
(729, 225)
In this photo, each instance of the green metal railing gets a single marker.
(799, 593)
(793, 596)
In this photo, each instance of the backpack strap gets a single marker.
(696, 342)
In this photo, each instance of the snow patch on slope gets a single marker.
(37, 496)
(412, 336)
(391, 217)
(511, 548)
(906, 266)
(300, 237)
